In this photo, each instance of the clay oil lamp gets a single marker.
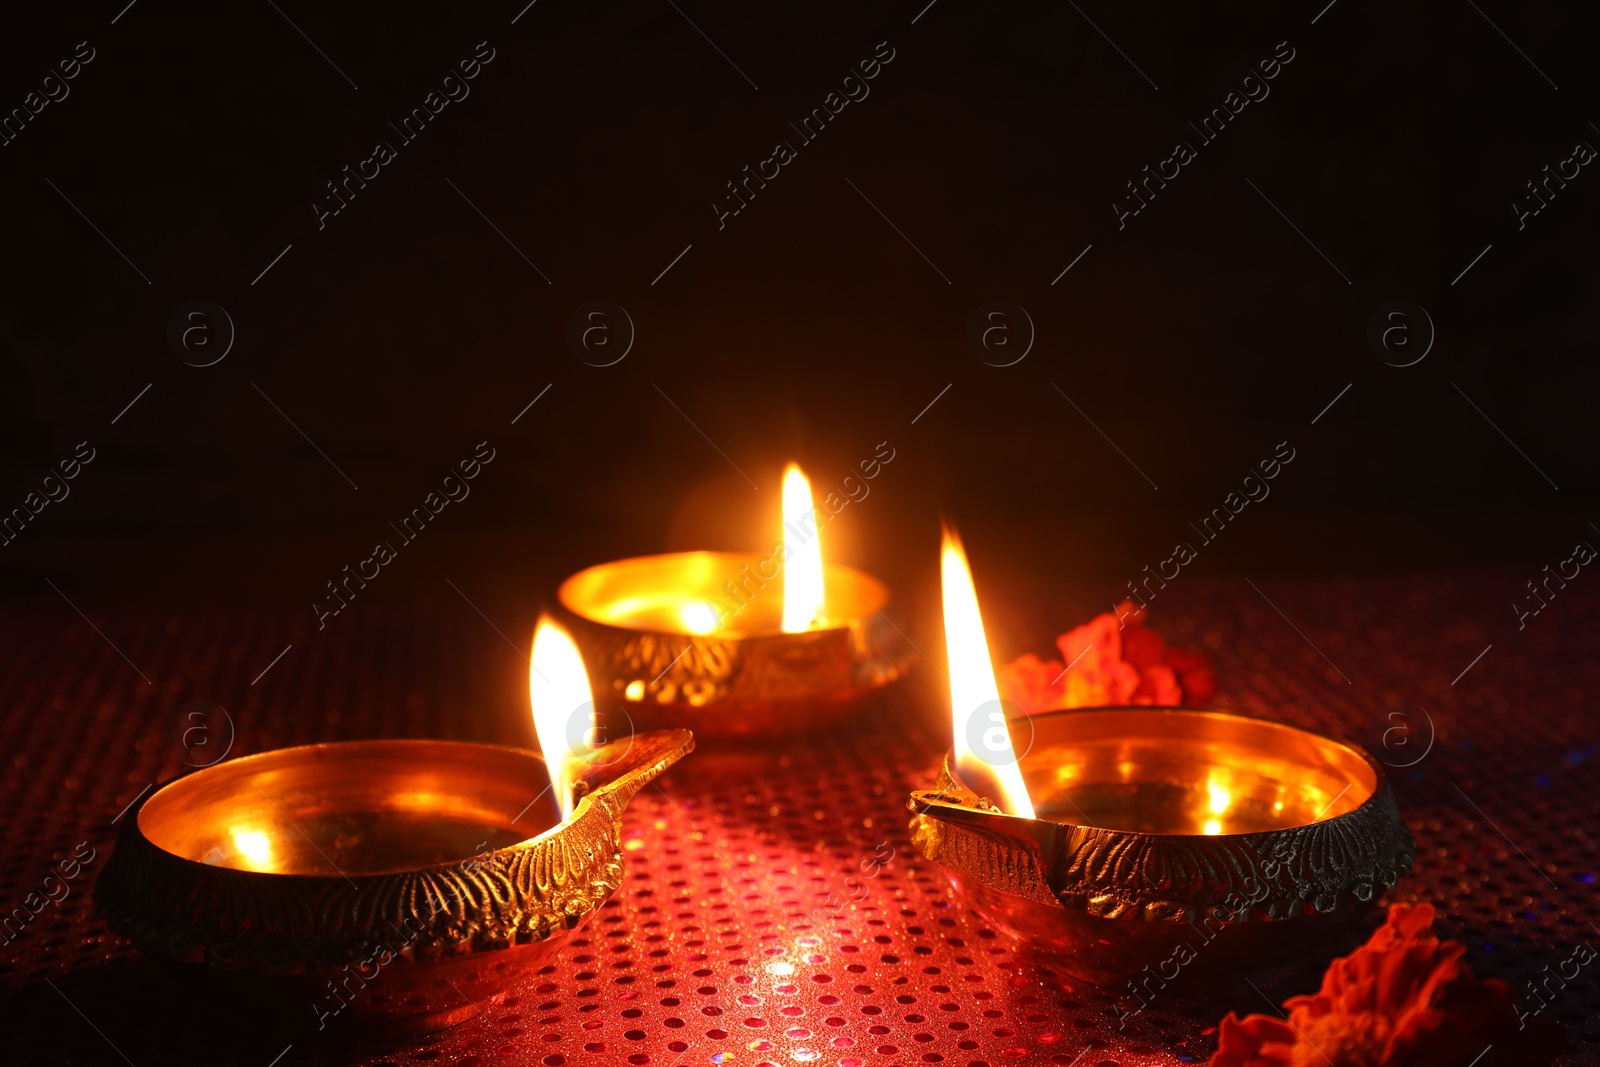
(394, 883)
(737, 645)
(1161, 849)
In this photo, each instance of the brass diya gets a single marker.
(652, 643)
(1193, 845)
(394, 882)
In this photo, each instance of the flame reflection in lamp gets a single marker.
(1161, 848)
(737, 645)
(393, 884)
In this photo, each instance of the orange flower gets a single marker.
(1031, 683)
(1114, 661)
(1404, 999)
(1194, 674)
(1099, 675)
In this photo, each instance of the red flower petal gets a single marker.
(1098, 640)
(1032, 684)
(1198, 686)
(1194, 674)
(1254, 1041)
(1158, 686)
(1404, 999)
(1141, 647)
(1112, 661)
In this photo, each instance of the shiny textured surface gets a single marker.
(390, 878)
(748, 680)
(1113, 896)
(772, 910)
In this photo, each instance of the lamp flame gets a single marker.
(973, 692)
(802, 572)
(563, 705)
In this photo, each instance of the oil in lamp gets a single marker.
(737, 645)
(393, 884)
(1168, 846)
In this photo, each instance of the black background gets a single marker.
(407, 330)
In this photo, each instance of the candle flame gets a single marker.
(975, 709)
(563, 705)
(802, 572)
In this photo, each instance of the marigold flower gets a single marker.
(1404, 999)
(1114, 661)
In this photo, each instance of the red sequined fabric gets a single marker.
(773, 911)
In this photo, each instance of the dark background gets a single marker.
(406, 331)
(414, 326)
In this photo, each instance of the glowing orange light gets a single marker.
(973, 691)
(558, 690)
(802, 572)
(1220, 799)
(697, 617)
(254, 846)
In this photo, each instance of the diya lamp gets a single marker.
(392, 883)
(737, 645)
(1164, 848)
